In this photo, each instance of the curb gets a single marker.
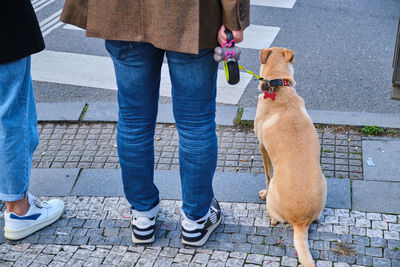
(108, 112)
(225, 115)
(343, 118)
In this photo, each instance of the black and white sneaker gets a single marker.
(143, 226)
(196, 233)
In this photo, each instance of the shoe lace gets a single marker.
(37, 202)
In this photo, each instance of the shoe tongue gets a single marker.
(142, 221)
(34, 201)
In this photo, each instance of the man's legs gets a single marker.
(138, 68)
(18, 141)
(193, 80)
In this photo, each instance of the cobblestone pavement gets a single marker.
(94, 146)
(95, 231)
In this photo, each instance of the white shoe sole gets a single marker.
(139, 241)
(202, 241)
(24, 232)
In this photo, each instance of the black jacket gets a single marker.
(20, 34)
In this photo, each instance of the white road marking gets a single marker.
(46, 20)
(274, 3)
(258, 37)
(38, 3)
(72, 27)
(37, 8)
(59, 24)
(51, 23)
(98, 72)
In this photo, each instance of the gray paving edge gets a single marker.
(342, 118)
(229, 187)
(108, 112)
(59, 111)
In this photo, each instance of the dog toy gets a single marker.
(230, 55)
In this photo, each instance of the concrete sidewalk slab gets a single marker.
(99, 182)
(108, 112)
(101, 112)
(342, 118)
(59, 111)
(52, 182)
(339, 193)
(230, 187)
(374, 196)
(381, 160)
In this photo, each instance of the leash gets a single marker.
(229, 54)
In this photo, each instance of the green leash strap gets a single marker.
(243, 68)
(251, 73)
(226, 70)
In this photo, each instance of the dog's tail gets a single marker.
(300, 238)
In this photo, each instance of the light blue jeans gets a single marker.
(18, 128)
(193, 77)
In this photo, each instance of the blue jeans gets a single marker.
(18, 128)
(193, 77)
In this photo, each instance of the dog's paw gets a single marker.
(263, 194)
(274, 221)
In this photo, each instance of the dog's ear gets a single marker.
(264, 55)
(289, 55)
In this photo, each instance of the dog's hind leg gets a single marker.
(268, 171)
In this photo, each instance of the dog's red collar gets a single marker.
(268, 87)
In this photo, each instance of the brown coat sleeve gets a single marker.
(236, 14)
(75, 12)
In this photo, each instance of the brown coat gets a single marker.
(177, 25)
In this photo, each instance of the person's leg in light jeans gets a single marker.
(137, 68)
(193, 80)
(18, 129)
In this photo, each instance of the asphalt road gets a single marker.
(343, 53)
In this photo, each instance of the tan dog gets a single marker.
(289, 142)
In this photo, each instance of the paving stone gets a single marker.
(320, 263)
(91, 261)
(255, 258)
(44, 259)
(183, 258)
(231, 262)
(226, 246)
(382, 153)
(261, 249)
(62, 256)
(101, 112)
(59, 111)
(22, 262)
(108, 183)
(276, 251)
(286, 261)
(52, 182)
(79, 240)
(381, 262)
(380, 196)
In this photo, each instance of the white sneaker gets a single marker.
(39, 215)
(144, 225)
(196, 233)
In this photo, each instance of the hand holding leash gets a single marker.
(229, 54)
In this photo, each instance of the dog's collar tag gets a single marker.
(269, 95)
